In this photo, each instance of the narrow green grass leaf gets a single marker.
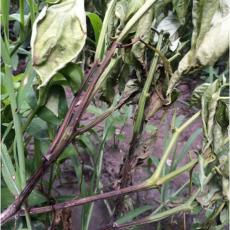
(180, 156)
(96, 23)
(8, 171)
(133, 214)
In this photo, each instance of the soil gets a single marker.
(113, 158)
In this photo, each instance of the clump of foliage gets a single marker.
(127, 54)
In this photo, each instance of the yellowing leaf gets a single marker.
(58, 36)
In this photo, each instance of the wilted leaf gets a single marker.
(222, 115)
(218, 138)
(210, 38)
(202, 14)
(58, 36)
(124, 9)
(206, 197)
(226, 187)
(198, 93)
(209, 104)
(144, 31)
(202, 176)
(169, 24)
(224, 217)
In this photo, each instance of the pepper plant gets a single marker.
(127, 56)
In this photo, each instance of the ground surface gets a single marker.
(113, 158)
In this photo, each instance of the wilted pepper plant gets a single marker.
(69, 67)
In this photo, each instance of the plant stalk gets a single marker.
(156, 175)
(102, 196)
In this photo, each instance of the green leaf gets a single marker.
(133, 214)
(87, 143)
(74, 75)
(181, 8)
(56, 102)
(96, 23)
(153, 160)
(38, 128)
(47, 115)
(8, 171)
(150, 128)
(36, 198)
(67, 153)
(6, 198)
(58, 36)
(94, 110)
(181, 155)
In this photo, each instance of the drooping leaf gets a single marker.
(222, 116)
(224, 216)
(144, 31)
(202, 13)
(170, 24)
(210, 38)
(209, 103)
(58, 36)
(197, 93)
(218, 138)
(214, 117)
(124, 9)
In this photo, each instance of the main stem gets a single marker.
(65, 133)
(63, 137)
